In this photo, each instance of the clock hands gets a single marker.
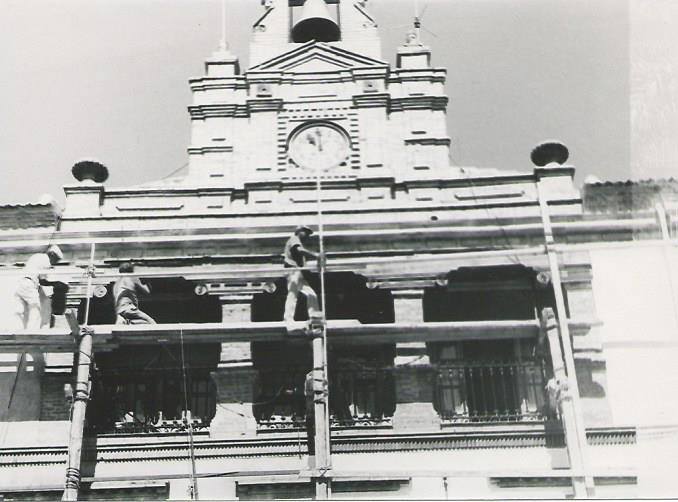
(318, 133)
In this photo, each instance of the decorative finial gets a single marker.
(549, 152)
(413, 36)
(89, 171)
(222, 43)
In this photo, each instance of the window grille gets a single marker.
(362, 398)
(153, 401)
(472, 391)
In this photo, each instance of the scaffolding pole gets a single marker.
(321, 409)
(81, 394)
(576, 452)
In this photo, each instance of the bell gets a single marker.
(315, 24)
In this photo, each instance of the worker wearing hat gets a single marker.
(32, 297)
(295, 255)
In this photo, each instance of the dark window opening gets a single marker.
(347, 297)
(147, 389)
(483, 294)
(172, 300)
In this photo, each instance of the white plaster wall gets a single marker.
(634, 291)
(634, 294)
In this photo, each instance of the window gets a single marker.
(489, 381)
(361, 387)
(146, 390)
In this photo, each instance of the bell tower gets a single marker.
(344, 23)
(315, 24)
(317, 98)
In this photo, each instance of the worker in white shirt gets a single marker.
(32, 304)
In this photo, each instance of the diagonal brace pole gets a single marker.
(79, 408)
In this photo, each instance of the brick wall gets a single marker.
(54, 405)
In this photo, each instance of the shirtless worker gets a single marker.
(125, 292)
(295, 254)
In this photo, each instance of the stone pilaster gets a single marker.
(588, 350)
(236, 308)
(414, 399)
(235, 376)
(234, 379)
(413, 372)
(408, 305)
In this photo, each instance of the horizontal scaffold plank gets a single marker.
(340, 331)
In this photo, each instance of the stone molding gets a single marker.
(171, 447)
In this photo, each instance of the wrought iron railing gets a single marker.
(358, 398)
(158, 426)
(490, 391)
(151, 402)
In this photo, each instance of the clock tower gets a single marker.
(318, 96)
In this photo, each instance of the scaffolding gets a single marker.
(552, 325)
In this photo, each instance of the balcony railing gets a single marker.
(358, 398)
(490, 392)
(159, 426)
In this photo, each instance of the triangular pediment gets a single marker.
(315, 57)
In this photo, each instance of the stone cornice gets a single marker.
(380, 100)
(148, 449)
(265, 105)
(438, 103)
(193, 150)
(200, 112)
(428, 141)
(399, 75)
(211, 83)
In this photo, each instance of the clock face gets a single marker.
(319, 146)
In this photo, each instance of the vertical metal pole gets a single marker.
(320, 409)
(561, 314)
(193, 485)
(320, 370)
(81, 394)
(90, 273)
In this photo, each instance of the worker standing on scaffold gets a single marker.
(295, 257)
(125, 292)
(32, 304)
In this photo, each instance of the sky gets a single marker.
(108, 79)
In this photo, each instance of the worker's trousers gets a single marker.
(32, 307)
(296, 283)
(128, 313)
